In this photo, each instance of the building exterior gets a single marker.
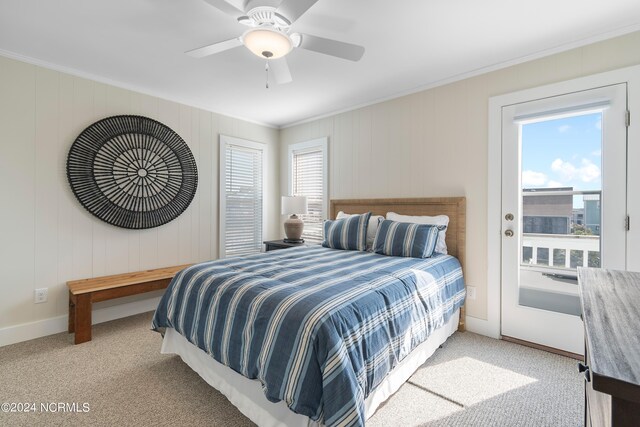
(547, 213)
(592, 213)
(578, 216)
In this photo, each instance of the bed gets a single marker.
(314, 336)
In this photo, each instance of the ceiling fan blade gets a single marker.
(281, 72)
(351, 52)
(294, 9)
(225, 7)
(210, 49)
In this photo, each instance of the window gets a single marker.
(308, 177)
(241, 196)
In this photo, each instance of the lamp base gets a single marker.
(293, 228)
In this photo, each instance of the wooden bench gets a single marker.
(83, 293)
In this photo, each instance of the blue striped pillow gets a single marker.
(347, 233)
(405, 239)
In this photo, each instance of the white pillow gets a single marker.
(372, 227)
(441, 244)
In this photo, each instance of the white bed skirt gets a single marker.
(248, 397)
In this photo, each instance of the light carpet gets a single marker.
(121, 375)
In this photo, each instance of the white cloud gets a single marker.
(556, 184)
(587, 172)
(564, 128)
(596, 153)
(533, 179)
(566, 169)
(598, 124)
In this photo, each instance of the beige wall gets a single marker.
(46, 237)
(434, 143)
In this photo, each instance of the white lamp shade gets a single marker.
(294, 205)
(267, 43)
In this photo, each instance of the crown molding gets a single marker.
(479, 71)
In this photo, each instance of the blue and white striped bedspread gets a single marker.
(320, 328)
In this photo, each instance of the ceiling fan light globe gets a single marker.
(267, 43)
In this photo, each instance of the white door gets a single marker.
(563, 206)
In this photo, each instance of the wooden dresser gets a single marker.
(611, 314)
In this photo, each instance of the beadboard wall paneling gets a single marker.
(17, 166)
(48, 238)
(434, 143)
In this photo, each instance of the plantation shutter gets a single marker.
(308, 181)
(243, 196)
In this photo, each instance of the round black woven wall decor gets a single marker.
(132, 172)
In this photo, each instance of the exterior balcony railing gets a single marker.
(561, 250)
(564, 251)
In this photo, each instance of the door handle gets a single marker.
(508, 233)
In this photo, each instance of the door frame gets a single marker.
(629, 75)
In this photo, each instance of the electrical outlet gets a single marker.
(41, 295)
(471, 292)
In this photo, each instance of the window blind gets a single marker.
(243, 197)
(308, 180)
(596, 107)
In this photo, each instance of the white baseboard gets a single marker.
(482, 327)
(55, 325)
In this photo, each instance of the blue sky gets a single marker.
(563, 153)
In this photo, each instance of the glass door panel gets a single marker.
(563, 207)
(560, 196)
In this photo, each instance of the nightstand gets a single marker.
(272, 245)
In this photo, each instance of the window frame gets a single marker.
(225, 141)
(323, 144)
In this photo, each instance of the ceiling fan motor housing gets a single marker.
(264, 16)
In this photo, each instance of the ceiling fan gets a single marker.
(269, 36)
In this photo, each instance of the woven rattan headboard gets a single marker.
(453, 207)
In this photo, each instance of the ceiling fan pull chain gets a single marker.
(266, 69)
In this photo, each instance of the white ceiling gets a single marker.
(410, 44)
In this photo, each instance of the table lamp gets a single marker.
(293, 226)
